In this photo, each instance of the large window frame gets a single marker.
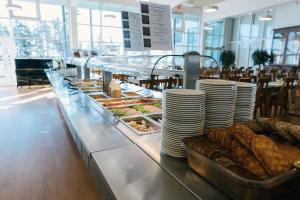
(261, 40)
(41, 41)
(283, 52)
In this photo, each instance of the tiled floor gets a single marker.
(38, 159)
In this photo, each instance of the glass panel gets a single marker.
(111, 19)
(178, 22)
(28, 9)
(293, 45)
(96, 34)
(84, 45)
(4, 28)
(83, 16)
(112, 35)
(179, 38)
(191, 23)
(96, 17)
(51, 12)
(84, 33)
(292, 59)
(3, 9)
(192, 40)
(278, 43)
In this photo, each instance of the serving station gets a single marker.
(122, 163)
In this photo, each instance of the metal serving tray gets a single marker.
(153, 117)
(114, 100)
(156, 128)
(96, 96)
(154, 101)
(285, 186)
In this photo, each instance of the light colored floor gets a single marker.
(38, 159)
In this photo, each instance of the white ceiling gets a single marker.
(194, 3)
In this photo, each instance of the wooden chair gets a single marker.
(281, 99)
(225, 74)
(245, 80)
(261, 96)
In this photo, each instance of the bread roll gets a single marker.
(243, 134)
(267, 152)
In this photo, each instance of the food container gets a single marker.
(284, 186)
(99, 96)
(91, 89)
(155, 117)
(113, 100)
(154, 126)
(130, 102)
(131, 94)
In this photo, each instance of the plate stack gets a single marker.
(183, 116)
(245, 102)
(220, 98)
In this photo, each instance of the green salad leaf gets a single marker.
(141, 109)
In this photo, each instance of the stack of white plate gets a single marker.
(220, 98)
(183, 116)
(245, 103)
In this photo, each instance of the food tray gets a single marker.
(155, 117)
(114, 100)
(285, 186)
(128, 103)
(130, 94)
(155, 127)
(98, 96)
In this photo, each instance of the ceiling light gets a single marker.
(110, 16)
(211, 9)
(267, 17)
(11, 6)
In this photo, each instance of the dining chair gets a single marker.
(245, 80)
(281, 100)
(261, 96)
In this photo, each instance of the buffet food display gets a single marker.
(255, 158)
(246, 159)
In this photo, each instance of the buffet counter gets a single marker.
(122, 164)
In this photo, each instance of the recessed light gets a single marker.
(211, 9)
(11, 6)
(266, 18)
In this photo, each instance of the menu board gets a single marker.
(156, 26)
(132, 31)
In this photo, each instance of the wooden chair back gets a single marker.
(245, 80)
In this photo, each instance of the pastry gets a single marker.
(290, 152)
(294, 130)
(267, 152)
(254, 166)
(282, 129)
(238, 152)
(243, 134)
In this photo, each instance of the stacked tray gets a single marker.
(220, 98)
(245, 102)
(183, 116)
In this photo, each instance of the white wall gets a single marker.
(287, 15)
(230, 8)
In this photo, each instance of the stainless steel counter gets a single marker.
(129, 166)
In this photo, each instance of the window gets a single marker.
(213, 43)
(42, 37)
(286, 46)
(186, 33)
(250, 33)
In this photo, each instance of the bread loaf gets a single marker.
(243, 134)
(267, 152)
